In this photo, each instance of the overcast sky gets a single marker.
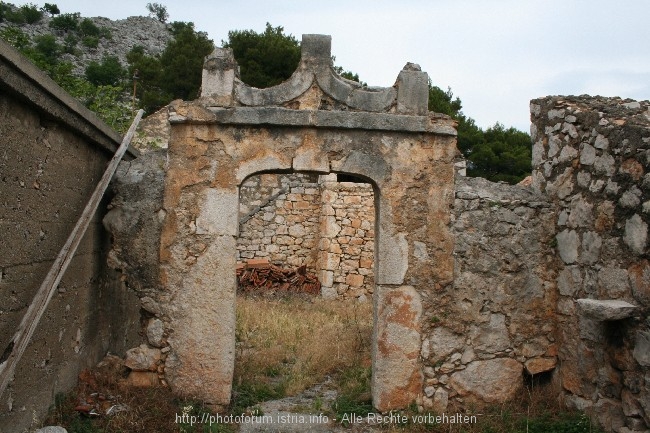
(496, 55)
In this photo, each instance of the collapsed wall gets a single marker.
(591, 157)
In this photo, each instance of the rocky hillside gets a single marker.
(124, 34)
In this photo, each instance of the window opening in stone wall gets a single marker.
(305, 256)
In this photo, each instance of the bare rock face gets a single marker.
(135, 222)
(492, 381)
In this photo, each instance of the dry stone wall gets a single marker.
(591, 157)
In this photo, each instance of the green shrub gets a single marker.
(65, 22)
(51, 9)
(108, 72)
(31, 13)
(46, 45)
(14, 16)
(88, 28)
(90, 41)
(70, 43)
(15, 37)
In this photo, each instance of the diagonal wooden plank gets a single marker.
(16, 347)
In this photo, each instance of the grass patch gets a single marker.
(286, 345)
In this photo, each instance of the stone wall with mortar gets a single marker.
(54, 152)
(591, 157)
(496, 326)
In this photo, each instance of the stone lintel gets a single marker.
(277, 116)
(606, 309)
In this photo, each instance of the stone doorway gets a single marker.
(314, 122)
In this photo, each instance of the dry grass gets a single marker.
(293, 343)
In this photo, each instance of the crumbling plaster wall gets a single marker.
(53, 153)
(591, 157)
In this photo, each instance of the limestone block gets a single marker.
(492, 381)
(609, 309)
(397, 378)
(218, 213)
(51, 429)
(142, 358)
(614, 281)
(218, 77)
(412, 91)
(440, 400)
(591, 246)
(198, 366)
(640, 280)
(443, 342)
(491, 337)
(636, 234)
(642, 348)
(587, 154)
(569, 280)
(392, 260)
(155, 331)
(260, 164)
(605, 164)
(311, 160)
(568, 242)
(354, 280)
(540, 365)
(329, 227)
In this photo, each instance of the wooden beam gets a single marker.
(16, 347)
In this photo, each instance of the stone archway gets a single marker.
(316, 122)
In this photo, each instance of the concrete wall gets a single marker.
(591, 157)
(52, 154)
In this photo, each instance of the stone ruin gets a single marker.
(477, 287)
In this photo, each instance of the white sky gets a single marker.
(496, 55)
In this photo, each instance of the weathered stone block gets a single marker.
(606, 309)
(219, 212)
(155, 332)
(397, 378)
(636, 234)
(642, 348)
(492, 381)
(142, 358)
(540, 365)
(568, 242)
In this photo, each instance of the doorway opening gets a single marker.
(294, 337)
